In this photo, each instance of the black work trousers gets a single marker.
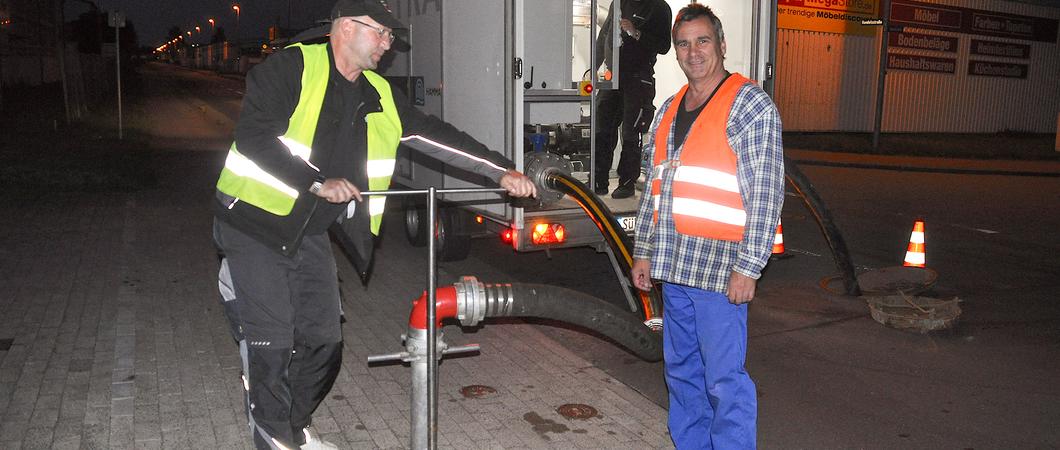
(631, 107)
(285, 314)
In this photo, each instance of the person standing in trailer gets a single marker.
(645, 35)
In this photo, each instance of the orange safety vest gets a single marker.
(706, 193)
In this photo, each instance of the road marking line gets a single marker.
(981, 230)
(802, 252)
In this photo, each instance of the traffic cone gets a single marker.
(914, 254)
(778, 240)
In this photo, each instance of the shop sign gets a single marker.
(972, 21)
(997, 69)
(918, 63)
(1002, 49)
(923, 42)
(829, 16)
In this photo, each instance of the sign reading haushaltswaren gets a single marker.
(1002, 49)
(829, 16)
(921, 41)
(997, 69)
(921, 63)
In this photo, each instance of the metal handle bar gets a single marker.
(437, 191)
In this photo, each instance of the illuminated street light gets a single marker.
(236, 8)
(197, 29)
(211, 22)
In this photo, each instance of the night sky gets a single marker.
(152, 18)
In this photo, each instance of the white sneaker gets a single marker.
(313, 442)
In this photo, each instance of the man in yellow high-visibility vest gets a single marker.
(318, 126)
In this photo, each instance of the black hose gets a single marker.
(576, 308)
(616, 238)
(836, 243)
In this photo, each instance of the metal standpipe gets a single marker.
(422, 350)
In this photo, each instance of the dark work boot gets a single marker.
(625, 189)
(601, 189)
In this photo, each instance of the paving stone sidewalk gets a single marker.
(112, 337)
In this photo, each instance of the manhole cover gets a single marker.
(476, 391)
(576, 411)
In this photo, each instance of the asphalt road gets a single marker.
(828, 375)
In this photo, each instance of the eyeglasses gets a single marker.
(384, 34)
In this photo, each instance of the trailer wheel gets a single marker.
(454, 240)
(415, 222)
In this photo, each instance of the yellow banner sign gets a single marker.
(829, 16)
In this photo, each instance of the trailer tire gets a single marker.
(454, 240)
(415, 221)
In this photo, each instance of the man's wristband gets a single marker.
(318, 184)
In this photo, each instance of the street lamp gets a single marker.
(211, 23)
(236, 8)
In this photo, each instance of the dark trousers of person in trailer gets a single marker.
(631, 107)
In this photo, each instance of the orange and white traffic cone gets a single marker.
(778, 240)
(914, 254)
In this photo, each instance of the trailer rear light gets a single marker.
(478, 219)
(548, 233)
(507, 235)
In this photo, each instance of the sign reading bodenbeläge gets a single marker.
(920, 41)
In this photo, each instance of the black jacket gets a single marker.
(339, 150)
(637, 57)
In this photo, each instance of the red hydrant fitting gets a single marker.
(445, 302)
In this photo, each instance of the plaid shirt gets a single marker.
(753, 130)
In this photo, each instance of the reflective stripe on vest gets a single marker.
(705, 190)
(384, 135)
(243, 179)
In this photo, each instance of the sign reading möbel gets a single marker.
(829, 16)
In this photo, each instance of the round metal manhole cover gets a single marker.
(477, 391)
(576, 411)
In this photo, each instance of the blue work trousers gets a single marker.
(712, 399)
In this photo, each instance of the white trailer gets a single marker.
(504, 70)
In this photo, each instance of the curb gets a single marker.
(905, 168)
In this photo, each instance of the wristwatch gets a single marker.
(318, 184)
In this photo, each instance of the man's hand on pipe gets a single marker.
(339, 190)
(518, 185)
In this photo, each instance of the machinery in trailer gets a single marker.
(516, 75)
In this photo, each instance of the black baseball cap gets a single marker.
(376, 9)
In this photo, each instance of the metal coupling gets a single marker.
(475, 300)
